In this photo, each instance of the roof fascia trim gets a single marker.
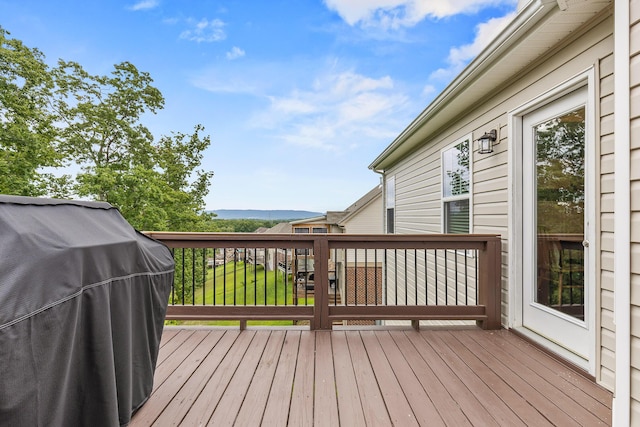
(531, 14)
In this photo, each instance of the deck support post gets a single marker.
(321, 291)
(489, 283)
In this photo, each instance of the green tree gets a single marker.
(53, 118)
(560, 173)
(156, 185)
(27, 133)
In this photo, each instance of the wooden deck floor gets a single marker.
(453, 377)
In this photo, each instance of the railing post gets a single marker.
(489, 283)
(321, 287)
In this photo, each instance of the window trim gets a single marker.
(469, 196)
(390, 181)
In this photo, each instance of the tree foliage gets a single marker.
(27, 135)
(560, 173)
(66, 116)
(241, 225)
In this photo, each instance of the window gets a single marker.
(301, 230)
(456, 187)
(391, 204)
(319, 229)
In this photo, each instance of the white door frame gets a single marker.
(516, 244)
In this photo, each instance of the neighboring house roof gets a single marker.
(261, 230)
(283, 227)
(338, 217)
(317, 219)
(334, 217)
(533, 34)
(361, 203)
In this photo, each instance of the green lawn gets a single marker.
(226, 285)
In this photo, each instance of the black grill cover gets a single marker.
(83, 298)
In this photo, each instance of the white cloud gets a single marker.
(235, 53)
(461, 55)
(340, 112)
(204, 31)
(145, 5)
(393, 14)
(428, 90)
(237, 77)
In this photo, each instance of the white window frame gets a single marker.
(390, 202)
(469, 196)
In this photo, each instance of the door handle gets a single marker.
(585, 243)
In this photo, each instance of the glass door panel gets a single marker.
(560, 197)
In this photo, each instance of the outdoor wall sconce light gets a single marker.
(485, 142)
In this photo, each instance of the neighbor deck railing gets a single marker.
(326, 278)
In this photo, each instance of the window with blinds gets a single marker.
(456, 183)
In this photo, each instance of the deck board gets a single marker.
(437, 377)
(349, 405)
(301, 412)
(325, 401)
(233, 397)
(276, 412)
(208, 399)
(479, 360)
(370, 395)
(399, 409)
(255, 401)
(472, 375)
(187, 395)
(449, 410)
(456, 386)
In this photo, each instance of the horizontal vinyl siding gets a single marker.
(418, 177)
(367, 221)
(635, 209)
(605, 217)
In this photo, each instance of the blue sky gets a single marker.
(298, 96)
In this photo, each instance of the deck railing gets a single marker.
(322, 279)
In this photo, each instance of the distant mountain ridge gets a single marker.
(264, 214)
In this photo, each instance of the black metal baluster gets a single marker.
(456, 273)
(435, 267)
(375, 277)
(446, 278)
(426, 279)
(415, 275)
(466, 279)
(173, 285)
(355, 275)
(235, 276)
(193, 276)
(204, 275)
(395, 262)
(406, 280)
(215, 273)
(366, 278)
(182, 276)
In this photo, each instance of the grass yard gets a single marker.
(243, 284)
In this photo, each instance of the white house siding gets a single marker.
(367, 220)
(606, 147)
(635, 208)
(418, 206)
